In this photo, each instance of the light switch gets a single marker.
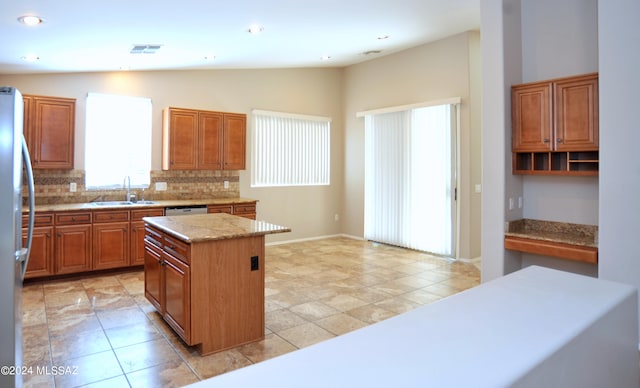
(161, 186)
(510, 203)
(73, 187)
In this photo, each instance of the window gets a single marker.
(290, 150)
(117, 141)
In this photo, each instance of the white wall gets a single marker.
(430, 72)
(618, 34)
(531, 40)
(501, 67)
(309, 211)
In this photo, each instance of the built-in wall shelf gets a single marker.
(567, 241)
(556, 163)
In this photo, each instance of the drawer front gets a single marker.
(178, 249)
(244, 209)
(220, 209)
(138, 214)
(41, 219)
(152, 237)
(111, 216)
(72, 218)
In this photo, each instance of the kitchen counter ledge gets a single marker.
(208, 227)
(569, 241)
(156, 204)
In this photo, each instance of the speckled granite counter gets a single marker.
(558, 239)
(162, 204)
(562, 232)
(207, 227)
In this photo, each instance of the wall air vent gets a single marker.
(145, 48)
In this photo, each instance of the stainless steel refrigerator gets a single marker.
(14, 159)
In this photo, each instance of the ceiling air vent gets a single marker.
(145, 48)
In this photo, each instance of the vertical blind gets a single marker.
(117, 141)
(290, 150)
(410, 178)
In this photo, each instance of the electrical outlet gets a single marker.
(161, 186)
(226, 184)
(519, 202)
(73, 187)
(510, 203)
(336, 217)
(255, 263)
(478, 188)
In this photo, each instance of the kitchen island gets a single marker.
(204, 274)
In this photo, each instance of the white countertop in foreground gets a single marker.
(532, 328)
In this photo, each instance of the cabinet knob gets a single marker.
(560, 141)
(546, 140)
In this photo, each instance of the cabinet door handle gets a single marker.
(560, 141)
(546, 140)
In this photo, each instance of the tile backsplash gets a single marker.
(53, 186)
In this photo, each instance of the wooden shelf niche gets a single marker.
(584, 163)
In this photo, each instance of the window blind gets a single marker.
(290, 149)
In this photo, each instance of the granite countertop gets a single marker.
(217, 226)
(561, 232)
(159, 203)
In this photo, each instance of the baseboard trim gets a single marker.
(313, 239)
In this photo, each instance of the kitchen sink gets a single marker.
(122, 203)
(112, 203)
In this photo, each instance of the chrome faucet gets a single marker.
(127, 185)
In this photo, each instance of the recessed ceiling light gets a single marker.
(30, 20)
(255, 29)
(30, 58)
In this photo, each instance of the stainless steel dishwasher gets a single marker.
(185, 210)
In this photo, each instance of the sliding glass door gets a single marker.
(410, 178)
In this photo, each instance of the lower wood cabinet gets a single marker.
(167, 281)
(246, 209)
(208, 291)
(41, 261)
(41, 256)
(73, 248)
(137, 233)
(177, 296)
(66, 242)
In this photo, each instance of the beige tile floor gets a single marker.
(104, 333)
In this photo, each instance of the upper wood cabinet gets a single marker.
(203, 140)
(556, 115)
(555, 126)
(49, 128)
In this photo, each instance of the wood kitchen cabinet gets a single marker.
(41, 261)
(209, 289)
(49, 128)
(73, 242)
(203, 140)
(137, 233)
(167, 280)
(234, 141)
(555, 126)
(111, 242)
(246, 209)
